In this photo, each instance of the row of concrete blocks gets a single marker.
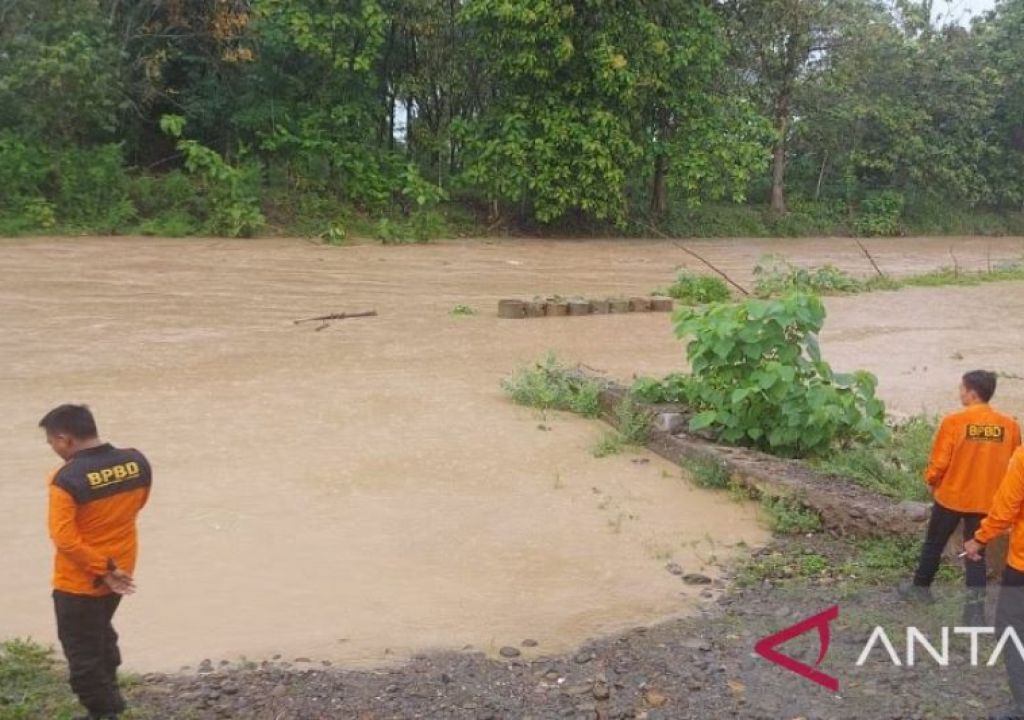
(518, 309)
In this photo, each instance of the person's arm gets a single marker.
(942, 454)
(66, 537)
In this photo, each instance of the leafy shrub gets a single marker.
(673, 388)
(693, 289)
(32, 683)
(171, 223)
(718, 220)
(880, 214)
(774, 275)
(551, 385)
(893, 467)
(708, 474)
(232, 190)
(760, 380)
(789, 516)
(92, 188)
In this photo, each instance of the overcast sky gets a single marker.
(962, 9)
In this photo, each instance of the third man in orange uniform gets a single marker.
(969, 458)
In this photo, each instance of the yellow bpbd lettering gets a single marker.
(985, 433)
(113, 474)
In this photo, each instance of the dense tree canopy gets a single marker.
(184, 116)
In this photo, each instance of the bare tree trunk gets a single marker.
(778, 198)
(821, 177)
(659, 189)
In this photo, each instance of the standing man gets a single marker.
(94, 499)
(969, 458)
(1006, 514)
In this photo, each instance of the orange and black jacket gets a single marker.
(94, 499)
(969, 458)
(1006, 513)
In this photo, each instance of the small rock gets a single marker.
(279, 690)
(696, 579)
(302, 660)
(601, 691)
(674, 568)
(583, 658)
(509, 652)
(655, 698)
(205, 667)
(530, 643)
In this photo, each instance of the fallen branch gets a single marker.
(703, 260)
(869, 257)
(325, 319)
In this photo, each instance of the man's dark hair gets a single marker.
(982, 382)
(74, 420)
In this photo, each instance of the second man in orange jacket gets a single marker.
(969, 458)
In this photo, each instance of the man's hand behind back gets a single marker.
(120, 582)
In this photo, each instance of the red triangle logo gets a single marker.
(766, 647)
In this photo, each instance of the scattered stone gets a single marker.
(556, 308)
(530, 643)
(579, 307)
(674, 568)
(670, 422)
(511, 309)
(696, 579)
(655, 698)
(509, 652)
(205, 667)
(535, 309)
(583, 657)
(601, 691)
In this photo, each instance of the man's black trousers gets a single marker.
(941, 525)
(90, 646)
(1010, 613)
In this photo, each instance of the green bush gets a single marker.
(691, 289)
(760, 380)
(171, 223)
(232, 191)
(549, 385)
(774, 275)
(92, 189)
(31, 684)
(789, 516)
(893, 467)
(880, 214)
(673, 388)
(708, 474)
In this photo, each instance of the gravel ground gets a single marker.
(699, 667)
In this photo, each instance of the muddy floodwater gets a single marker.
(364, 492)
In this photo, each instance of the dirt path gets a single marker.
(365, 492)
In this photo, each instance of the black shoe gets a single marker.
(915, 593)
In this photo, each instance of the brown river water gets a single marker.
(365, 492)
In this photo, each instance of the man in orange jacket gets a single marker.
(1005, 515)
(969, 458)
(94, 499)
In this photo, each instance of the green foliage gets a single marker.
(760, 380)
(775, 565)
(894, 466)
(673, 388)
(708, 474)
(789, 516)
(609, 444)
(880, 214)
(633, 421)
(774, 276)
(549, 385)
(231, 190)
(31, 683)
(462, 311)
(334, 234)
(693, 289)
